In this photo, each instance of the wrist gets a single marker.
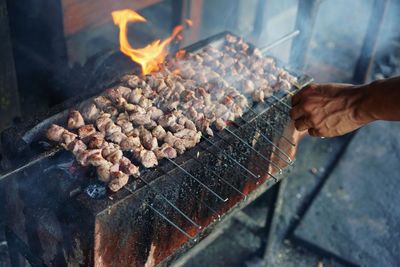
(365, 111)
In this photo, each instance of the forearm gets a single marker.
(381, 100)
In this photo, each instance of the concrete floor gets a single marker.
(243, 242)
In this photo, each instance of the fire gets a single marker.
(151, 56)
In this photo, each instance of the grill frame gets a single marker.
(94, 209)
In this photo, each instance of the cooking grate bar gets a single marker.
(200, 200)
(277, 152)
(197, 180)
(280, 101)
(170, 203)
(279, 41)
(256, 151)
(159, 213)
(220, 178)
(272, 127)
(231, 158)
(168, 220)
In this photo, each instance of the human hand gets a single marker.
(328, 110)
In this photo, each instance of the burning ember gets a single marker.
(150, 56)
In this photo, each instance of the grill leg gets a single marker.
(19, 251)
(16, 258)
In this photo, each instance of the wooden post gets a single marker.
(367, 56)
(306, 14)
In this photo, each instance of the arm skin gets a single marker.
(329, 110)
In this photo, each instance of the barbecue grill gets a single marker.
(59, 214)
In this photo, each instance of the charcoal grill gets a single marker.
(58, 214)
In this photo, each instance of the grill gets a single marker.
(59, 214)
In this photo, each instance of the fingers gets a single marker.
(303, 124)
(296, 99)
(297, 112)
(314, 132)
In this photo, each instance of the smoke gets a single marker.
(338, 34)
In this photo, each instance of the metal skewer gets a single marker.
(258, 153)
(272, 127)
(222, 179)
(168, 220)
(280, 101)
(281, 40)
(163, 216)
(197, 180)
(200, 200)
(231, 158)
(288, 160)
(170, 203)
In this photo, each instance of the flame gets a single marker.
(180, 54)
(149, 57)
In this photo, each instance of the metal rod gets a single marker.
(170, 203)
(258, 153)
(280, 101)
(231, 158)
(272, 127)
(168, 220)
(222, 179)
(205, 204)
(162, 216)
(279, 41)
(288, 161)
(197, 180)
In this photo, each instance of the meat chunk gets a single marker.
(68, 137)
(258, 96)
(220, 124)
(102, 121)
(76, 146)
(118, 180)
(126, 166)
(159, 132)
(129, 143)
(103, 172)
(148, 158)
(95, 158)
(96, 140)
(139, 119)
(102, 102)
(155, 113)
(116, 137)
(115, 156)
(90, 112)
(165, 151)
(147, 139)
(75, 120)
(54, 133)
(86, 131)
(167, 120)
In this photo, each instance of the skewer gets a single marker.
(170, 203)
(163, 216)
(168, 220)
(288, 161)
(272, 127)
(280, 101)
(279, 41)
(197, 180)
(258, 153)
(222, 179)
(205, 204)
(231, 158)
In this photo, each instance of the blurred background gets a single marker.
(337, 208)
